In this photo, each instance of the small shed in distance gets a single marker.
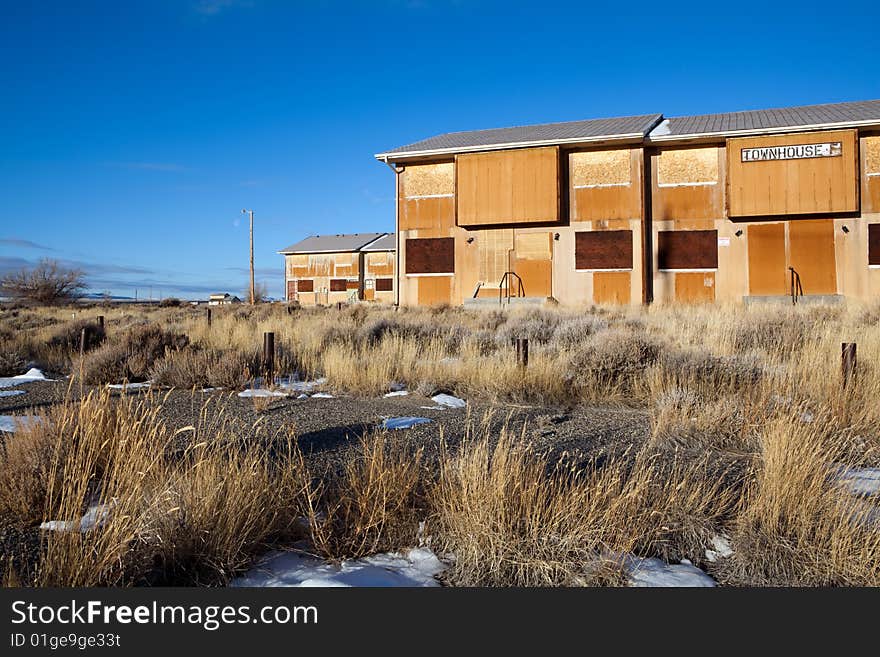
(327, 269)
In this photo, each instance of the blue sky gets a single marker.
(132, 133)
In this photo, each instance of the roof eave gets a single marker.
(724, 134)
(409, 155)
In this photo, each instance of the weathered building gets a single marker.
(326, 269)
(736, 207)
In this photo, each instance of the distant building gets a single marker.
(222, 299)
(326, 269)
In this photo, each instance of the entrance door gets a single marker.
(807, 245)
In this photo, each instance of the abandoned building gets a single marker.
(747, 206)
(327, 269)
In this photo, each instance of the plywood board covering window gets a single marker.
(533, 246)
(305, 285)
(603, 249)
(687, 249)
(508, 187)
(384, 284)
(599, 169)
(688, 167)
(429, 180)
(872, 156)
(435, 255)
(493, 248)
(874, 245)
(338, 285)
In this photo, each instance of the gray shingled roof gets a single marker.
(332, 243)
(548, 133)
(843, 114)
(385, 243)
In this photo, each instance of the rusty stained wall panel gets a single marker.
(767, 263)
(384, 285)
(688, 167)
(687, 249)
(611, 201)
(603, 249)
(320, 264)
(599, 168)
(431, 214)
(508, 187)
(695, 287)
(811, 253)
(428, 180)
(338, 284)
(793, 187)
(494, 251)
(305, 285)
(434, 255)
(380, 263)
(612, 287)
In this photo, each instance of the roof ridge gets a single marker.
(788, 108)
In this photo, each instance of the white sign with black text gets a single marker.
(793, 152)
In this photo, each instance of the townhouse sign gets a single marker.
(792, 152)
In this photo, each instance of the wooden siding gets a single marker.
(435, 290)
(427, 214)
(430, 255)
(380, 263)
(421, 180)
(508, 187)
(603, 249)
(687, 249)
(695, 287)
(767, 264)
(594, 196)
(612, 287)
(494, 251)
(793, 187)
(870, 173)
(682, 186)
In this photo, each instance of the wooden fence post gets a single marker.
(847, 361)
(208, 315)
(522, 352)
(269, 356)
(101, 321)
(82, 342)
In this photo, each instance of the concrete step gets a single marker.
(513, 302)
(807, 299)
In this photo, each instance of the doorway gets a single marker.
(805, 245)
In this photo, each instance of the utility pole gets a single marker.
(253, 291)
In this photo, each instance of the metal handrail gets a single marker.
(796, 289)
(520, 289)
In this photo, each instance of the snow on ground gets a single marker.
(863, 482)
(414, 568)
(406, 422)
(94, 517)
(11, 393)
(32, 374)
(126, 387)
(292, 384)
(448, 400)
(397, 393)
(322, 395)
(9, 423)
(262, 392)
(720, 549)
(433, 408)
(656, 573)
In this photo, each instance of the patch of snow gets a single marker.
(210, 389)
(11, 393)
(415, 568)
(656, 573)
(129, 386)
(295, 385)
(302, 396)
(863, 482)
(95, 517)
(262, 392)
(433, 408)
(32, 374)
(448, 400)
(397, 393)
(394, 423)
(720, 549)
(9, 423)
(322, 395)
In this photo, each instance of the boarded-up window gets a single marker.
(384, 284)
(338, 284)
(692, 166)
(493, 247)
(352, 285)
(434, 255)
(533, 246)
(872, 156)
(874, 244)
(687, 249)
(429, 180)
(603, 249)
(599, 169)
(305, 285)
